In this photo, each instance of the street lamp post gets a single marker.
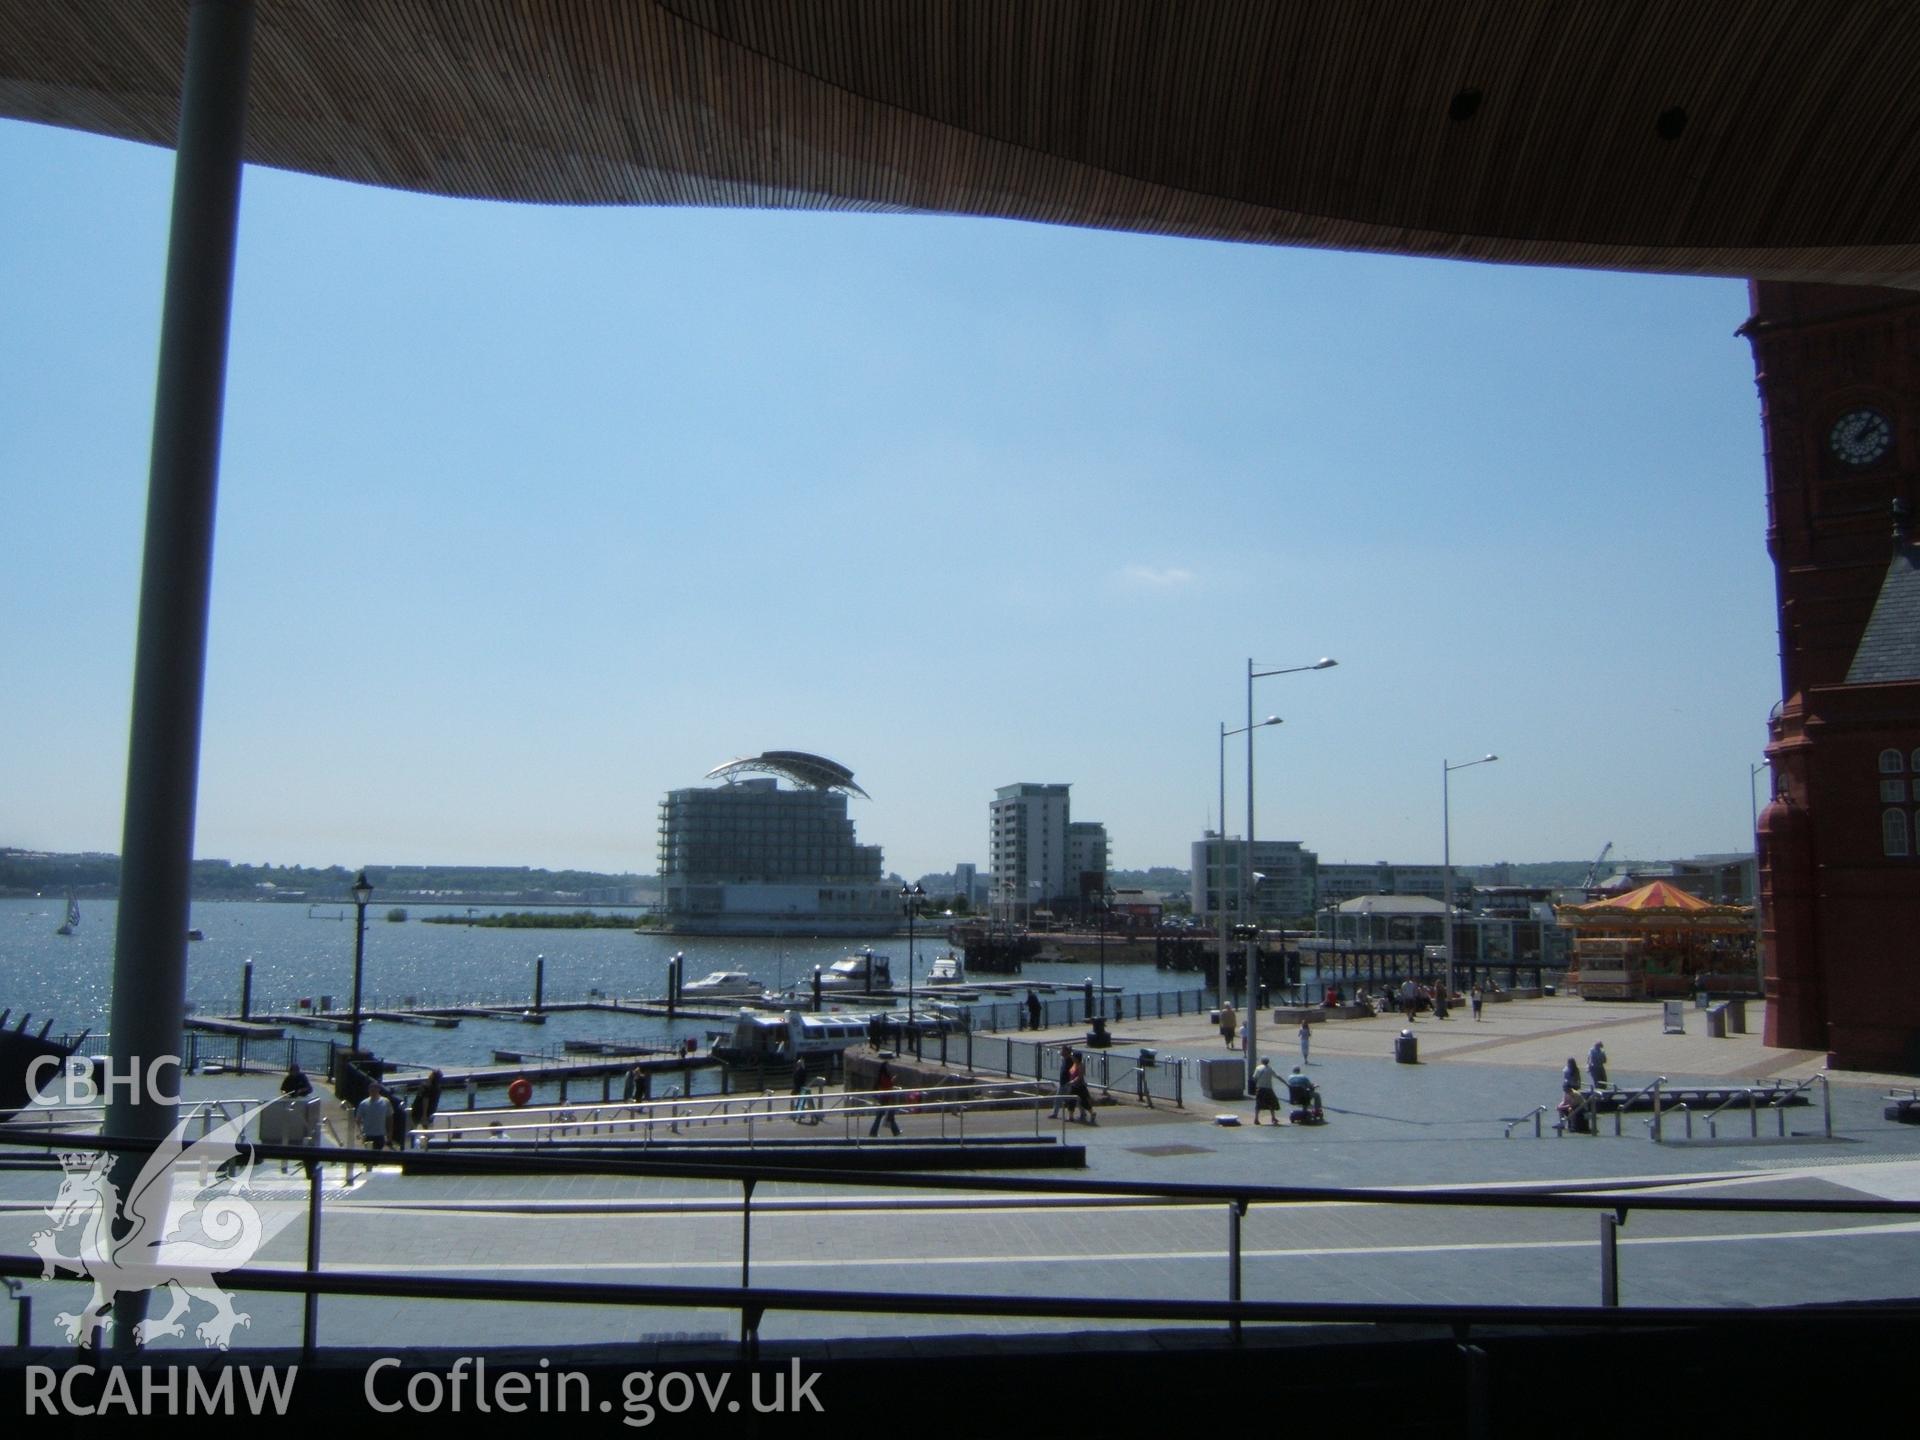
(362, 893)
(1253, 978)
(1446, 860)
(1220, 909)
(910, 898)
(1097, 1037)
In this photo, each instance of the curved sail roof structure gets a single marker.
(811, 772)
(1776, 138)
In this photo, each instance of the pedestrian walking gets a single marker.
(883, 1082)
(1077, 1083)
(1264, 1098)
(1477, 999)
(375, 1117)
(1063, 1084)
(1597, 1065)
(426, 1100)
(1570, 1076)
(1306, 1041)
(1229, 1022)
(1033, 1011)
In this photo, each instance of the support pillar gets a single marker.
(163, 756)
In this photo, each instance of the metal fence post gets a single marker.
(310, 1318)
(1610, 1223)
(1235, 1210)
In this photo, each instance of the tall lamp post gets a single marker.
(1097, 1037)
(1253, 978)
(910, 898)
(1446, 859)
(362, 893)
(1220, 912)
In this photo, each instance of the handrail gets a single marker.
(754, 1302)
(1621, 1106)
(1533, 1115)
(644, 1118)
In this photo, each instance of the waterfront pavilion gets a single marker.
(1658, 941)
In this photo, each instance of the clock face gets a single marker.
(1860, 437)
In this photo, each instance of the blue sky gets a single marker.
(530, 515)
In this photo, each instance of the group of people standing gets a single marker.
(1575, 1108)
(1073, 1094)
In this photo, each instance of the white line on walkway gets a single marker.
(1392, 1252)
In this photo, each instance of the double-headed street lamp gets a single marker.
(362, 893)
(1446, 859)
(1253, 951)
(1097, 1037)
(911, 897)
(1220, 909)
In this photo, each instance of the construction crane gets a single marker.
(1593, 870)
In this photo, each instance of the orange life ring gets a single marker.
(520, 1091)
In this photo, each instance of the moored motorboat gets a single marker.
(760, 1039)
(864, 973)
(724, 985)
(947, 969)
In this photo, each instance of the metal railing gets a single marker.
(753, 1303)
(645, 1121)
(1115, 1070)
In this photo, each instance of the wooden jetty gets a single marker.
(248, 1029)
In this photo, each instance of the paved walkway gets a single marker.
(1437, 1123)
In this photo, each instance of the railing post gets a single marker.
(23, 1313)
(1477, 1386)
(1826, 1101)
(310, 1318)
(1235, 1210)
(1656, 1112)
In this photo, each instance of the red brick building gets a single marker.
(1839, 376)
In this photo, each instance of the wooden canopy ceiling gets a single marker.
(1772, 138)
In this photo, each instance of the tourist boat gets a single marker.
(724, 985)
(948, 969)
(759, 1039)
(864, 973)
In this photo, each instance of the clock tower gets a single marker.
(1838, 369)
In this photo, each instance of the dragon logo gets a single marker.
(146, 1239)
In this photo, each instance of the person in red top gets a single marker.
(883, 1082)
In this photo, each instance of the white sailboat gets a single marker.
(72, 922)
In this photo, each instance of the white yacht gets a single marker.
(724, 985)
(948, 969)
(864, 973)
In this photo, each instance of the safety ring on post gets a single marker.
(520, 1091)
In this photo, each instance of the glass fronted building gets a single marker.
(746, 857)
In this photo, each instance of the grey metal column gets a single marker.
(163, 756)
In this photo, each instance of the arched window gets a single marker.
(1916, 759)
(1893, 832)
(1892, 762)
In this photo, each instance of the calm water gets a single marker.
(297, 954)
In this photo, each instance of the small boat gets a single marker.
(948, 969)
(196, 934)
(724, 985)
(759, 1039)
(72, 922)
(865, 973)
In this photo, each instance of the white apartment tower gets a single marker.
(1028, 847)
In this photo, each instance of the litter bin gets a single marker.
(1406, 1048)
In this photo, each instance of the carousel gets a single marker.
(1657, 942)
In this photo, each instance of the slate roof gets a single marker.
(1890, 647)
